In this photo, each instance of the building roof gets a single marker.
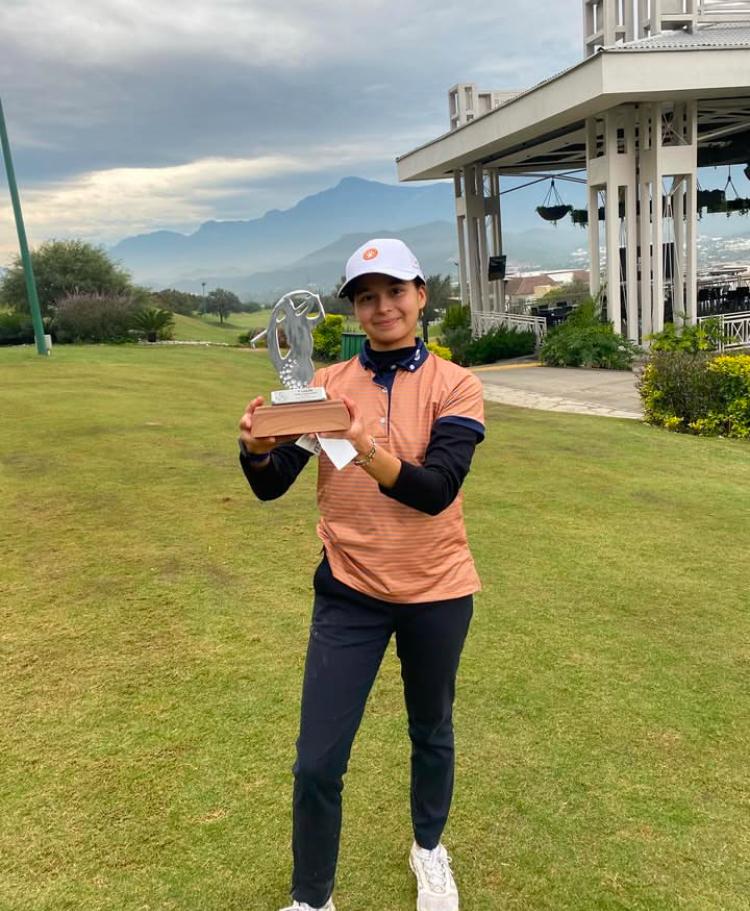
(526, 284)
(542, 128)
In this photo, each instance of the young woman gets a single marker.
(396, 562)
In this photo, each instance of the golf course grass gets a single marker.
(209, 328)
(154, 620)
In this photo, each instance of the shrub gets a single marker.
(327, 337)
(95, 318)
(705, 336)
(583, 340)
(456, 332)
(696, 392)
(16, 329)
(458, 317)
(154, 323)
(500, 343)
(440, 351)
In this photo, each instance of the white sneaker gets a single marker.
(436, 888)
(303, 906)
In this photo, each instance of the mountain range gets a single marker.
(307, 245)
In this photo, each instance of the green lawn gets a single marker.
(154, 620)
(209, 329)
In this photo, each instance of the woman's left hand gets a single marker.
(357, 433)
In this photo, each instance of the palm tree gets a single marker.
(154, 323)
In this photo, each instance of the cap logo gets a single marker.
(370, 253)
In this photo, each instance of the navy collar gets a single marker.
(413, 361)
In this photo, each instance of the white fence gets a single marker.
(483, 322)
(735, 327)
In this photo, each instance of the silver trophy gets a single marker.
(299, 408)
(296, 314)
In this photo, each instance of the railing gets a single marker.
(734, 328)
(718, 300)
(724, 10)
(483, 322)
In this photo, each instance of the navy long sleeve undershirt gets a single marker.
(429, 488)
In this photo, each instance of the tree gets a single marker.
(177, 301)
(223, 302)
(439, 293)
(61, 268)
(332, 303)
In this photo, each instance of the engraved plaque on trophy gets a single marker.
(299, 408)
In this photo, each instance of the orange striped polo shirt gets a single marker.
(375, 544)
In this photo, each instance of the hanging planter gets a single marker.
(740, 204)
(580, 217)
(736, 203)
(715, 201)
(708, 198)
(553, 208)
(554, 213)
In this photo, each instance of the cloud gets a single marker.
(106, 205)
(96, 89)
(102, 32)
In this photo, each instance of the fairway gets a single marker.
(154, 621)
(208, 328)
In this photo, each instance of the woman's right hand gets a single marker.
(259, 445)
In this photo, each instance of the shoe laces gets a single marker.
(436, 865)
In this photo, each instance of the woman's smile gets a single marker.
(388, 310)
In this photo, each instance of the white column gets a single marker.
(656, 13)
(458, 190)
(630, 29)
(631, 222)
(678, 277)
(593, 208)
(612, 224)
(657, 218)
(642, 18)
(691, 271)
(595, 275)
(474, 209)
(645, 120)
(484, 284)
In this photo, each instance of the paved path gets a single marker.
(610, 393)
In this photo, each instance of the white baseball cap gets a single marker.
(384, 255)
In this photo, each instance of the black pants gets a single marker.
(348, 637)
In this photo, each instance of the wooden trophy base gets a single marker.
(300, 418)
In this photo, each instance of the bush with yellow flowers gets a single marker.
(698, 392)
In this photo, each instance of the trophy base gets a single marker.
(300, 418)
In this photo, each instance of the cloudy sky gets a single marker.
(129, 115)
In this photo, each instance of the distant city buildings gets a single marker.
(524, 290)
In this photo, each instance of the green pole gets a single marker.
(36, 315)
